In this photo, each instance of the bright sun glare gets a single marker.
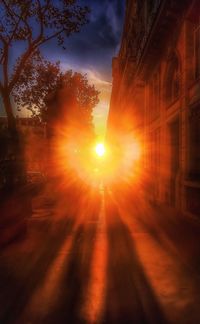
(100, 149)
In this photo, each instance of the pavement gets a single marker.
(101, 256)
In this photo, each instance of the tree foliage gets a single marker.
(32, 23)
(45, 80)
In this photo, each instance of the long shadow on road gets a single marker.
(76, 278)
(171, 229)
(76, 268)
(130, 298)
(17, 289)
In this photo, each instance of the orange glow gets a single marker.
(77, 156)
(74, 156)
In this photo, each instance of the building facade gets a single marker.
(33, 137)
(156, 95)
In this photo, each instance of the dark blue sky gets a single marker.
(92, 49)
(97, 42)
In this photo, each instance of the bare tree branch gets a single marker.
(20, 18)
(9, 10)
(3, 39)
(5, 66)
(40, 17)
(55, 20)
(46, 39)
(44, 8)
(20, 66)
(3, 49)
(29, 30)
(1, 87)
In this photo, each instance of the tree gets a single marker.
(47, 83)
(73, 103)
(32, 23)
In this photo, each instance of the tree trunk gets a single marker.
(13, 220)
(16, 163)
(14, 134)
(9, 112)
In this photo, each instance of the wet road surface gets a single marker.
(100, 257)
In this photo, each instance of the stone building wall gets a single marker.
(156, 86)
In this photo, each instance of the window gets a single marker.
(155, 159)
(194, 143)
(173, 80)
(154, 96)
(197, 51)
(150, 6)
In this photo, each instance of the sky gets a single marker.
(91, 50)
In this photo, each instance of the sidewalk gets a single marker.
(15, 208)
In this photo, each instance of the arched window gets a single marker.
(197, 50)
(172, 80)
(194, 143)
(154, 95)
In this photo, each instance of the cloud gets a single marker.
(91, 50)
(97, 42)
(94, 47)
(93, 76)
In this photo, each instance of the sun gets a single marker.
(100, 149)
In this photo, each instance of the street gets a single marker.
(99, 162)
(99, 256)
